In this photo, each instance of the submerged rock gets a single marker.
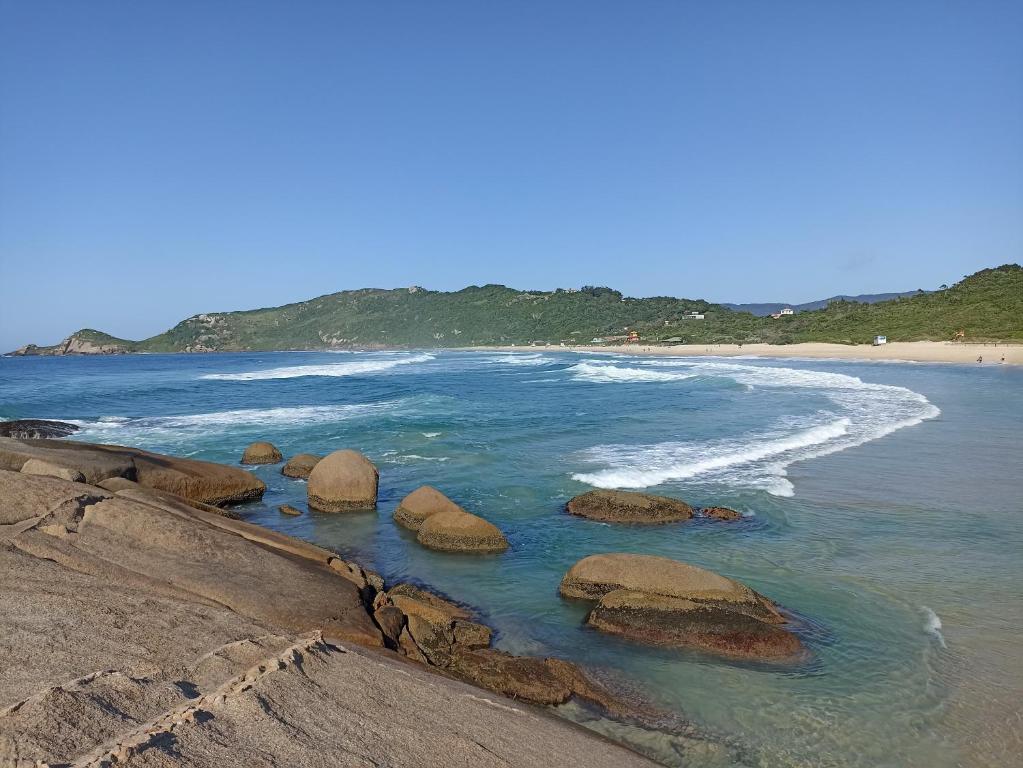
(287, 509)
(261, 453)
(629, 507)
(721, 513)
(344, 481)
(658, 600)
(678, 622)
(301, 465)
(36, 428)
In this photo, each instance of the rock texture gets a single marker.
(444, 525)
(141, 631)
(721, 513)
(262, 453)
(300, 466)
(663, 601)
(420, 504)
(344, 481)
(36, 428)
(287, 509)
(629, 507)
(200, 481)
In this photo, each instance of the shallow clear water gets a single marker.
(884, 507)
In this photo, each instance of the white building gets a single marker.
(879, 340)
(693, 316)
(787, 311)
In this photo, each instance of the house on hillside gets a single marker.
(693, 316)
(783, 313)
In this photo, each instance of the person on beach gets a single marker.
(980, 358)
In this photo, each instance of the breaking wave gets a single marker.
(862, 412)
(120, 428)
(353, 368)
(603, 373)
(932, 625)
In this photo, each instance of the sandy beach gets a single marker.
(911, 351)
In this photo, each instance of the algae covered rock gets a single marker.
(261, 453)
(629, 507)
(344, 481)
(457, 531)
(300, 466)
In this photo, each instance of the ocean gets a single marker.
(882, 503)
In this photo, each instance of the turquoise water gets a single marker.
(883, 504)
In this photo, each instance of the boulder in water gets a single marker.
(629, 507)
(344, 481)
(261, 453)
(287, 509)
(721, 513)
(458, 531)
(421, 504)
(301, 465)
(658, 600)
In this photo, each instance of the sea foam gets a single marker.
(353, 368)
(862, 412)
(604, 373)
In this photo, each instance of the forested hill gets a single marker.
(985, 306)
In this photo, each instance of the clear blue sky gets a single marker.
(159, 159)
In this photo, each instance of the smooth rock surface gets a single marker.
(49, 469)
(593, 577)
(628, 507)
(344, 481)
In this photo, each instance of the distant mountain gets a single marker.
(985, 306)
(769, 308)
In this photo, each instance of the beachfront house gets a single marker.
(879, 340)
(633, 337)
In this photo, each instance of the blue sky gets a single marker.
(159, 159)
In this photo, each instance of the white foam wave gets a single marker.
(862, 412)
(431, 434)
(151, 427)
(519, 358)
(353, 368)
(932, 625)
(603, 373)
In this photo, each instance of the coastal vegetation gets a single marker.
(985, 306)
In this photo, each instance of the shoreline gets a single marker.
(897, 351)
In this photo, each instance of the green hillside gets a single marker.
(986, 306)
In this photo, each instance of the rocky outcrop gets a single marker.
(41, 467)
(721, 513)
(149, 634)
(287, 509)
(461, 532)
(344, 481)
(442, 524)
(262, 453)
(426, 500)
(657, 600)
(300, 466)
(629, 507)
(83, 342)
(36, 428)
(199, 481)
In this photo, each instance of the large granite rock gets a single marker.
(658, 600)
(201, 481)
(629, 507)
(444, 525)
(456, 531)
(300, 466)
(261, 453)
(111, 665)
(674, 621)
(344, 481)
(423, 502)
(41, 467)
(36, 428)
